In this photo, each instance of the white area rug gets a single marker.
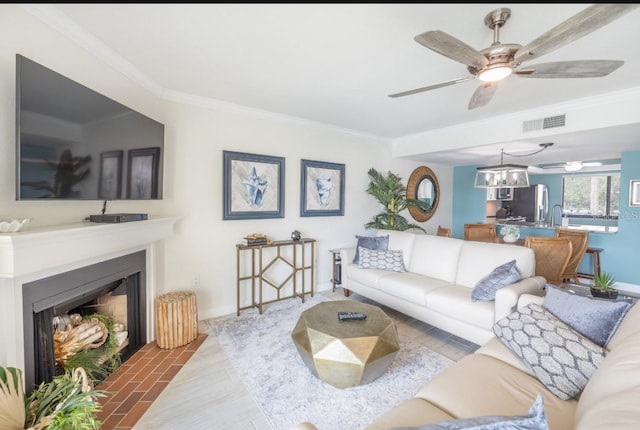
(261, 349)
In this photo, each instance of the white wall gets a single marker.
(204, 244)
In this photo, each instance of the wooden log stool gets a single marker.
(176, 319)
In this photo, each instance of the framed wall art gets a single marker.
(253, 186)
(321, 188)
(142, 174)
(634, 193)
(110, 182)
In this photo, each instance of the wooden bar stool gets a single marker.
(595, 255)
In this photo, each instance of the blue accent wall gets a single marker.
(620, 250)
(469, 203)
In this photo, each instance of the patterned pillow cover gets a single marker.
(596, 319)
(562, 359)
(375, 242)
(384, 260)
(536, 419)
(501, 276)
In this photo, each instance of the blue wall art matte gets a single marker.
(322, 188)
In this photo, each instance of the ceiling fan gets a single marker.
(575, 166)
(500, 60)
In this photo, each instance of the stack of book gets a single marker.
(255, 239)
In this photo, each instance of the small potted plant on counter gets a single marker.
(603, 286)
(510, 233)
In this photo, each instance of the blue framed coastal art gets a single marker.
(321, 188)
(253, 186)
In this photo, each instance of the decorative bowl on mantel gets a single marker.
(13, 226)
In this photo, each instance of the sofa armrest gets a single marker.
(507, 297)
(527, 299)
(347, 255)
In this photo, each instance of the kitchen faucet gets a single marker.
(553, 214)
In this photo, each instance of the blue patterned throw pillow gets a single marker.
(561, 358)
(501, 276)
(375, 242)
(383, 260)
(596, 319)
(536, 419)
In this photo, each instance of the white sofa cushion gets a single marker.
(435, 256)
(370, 277)
(410, 286)
(478, 259)
(400, 240)
(455, 302)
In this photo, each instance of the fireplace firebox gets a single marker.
(46, 298)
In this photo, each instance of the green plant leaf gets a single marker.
(390, 192)
(604, 281)
(12, 399)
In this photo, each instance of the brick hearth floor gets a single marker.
(139, 381)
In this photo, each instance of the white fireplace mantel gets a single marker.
(41, 252)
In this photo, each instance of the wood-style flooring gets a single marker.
(207, 393)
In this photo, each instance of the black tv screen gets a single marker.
(74, 143)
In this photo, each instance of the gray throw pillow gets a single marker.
(383, 260)
(596, 319)
(501, 276)
(536, 419)
(561, 358)
(375, 242)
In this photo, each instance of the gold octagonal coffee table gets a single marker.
(346, 353)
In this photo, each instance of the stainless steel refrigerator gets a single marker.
(531, 202)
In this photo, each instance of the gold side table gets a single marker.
(260, 263)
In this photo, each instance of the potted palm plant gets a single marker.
(392, 194)
(603, 286)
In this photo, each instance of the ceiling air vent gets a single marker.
(544, 123)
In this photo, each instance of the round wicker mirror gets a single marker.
(423, 185)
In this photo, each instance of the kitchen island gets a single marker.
(536, 227)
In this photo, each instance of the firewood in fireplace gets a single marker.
(89, 334)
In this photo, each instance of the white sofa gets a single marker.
(437, 286)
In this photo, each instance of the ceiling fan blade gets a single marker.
(579, 25)
(570, 69)
(483, 95)
(453, 48)
(432, 87)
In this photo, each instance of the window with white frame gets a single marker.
(591, 196)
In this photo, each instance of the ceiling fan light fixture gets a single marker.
(573, 166)
(495, 73)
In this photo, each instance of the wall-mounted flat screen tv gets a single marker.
(74, 143)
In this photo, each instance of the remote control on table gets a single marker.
(351, 316)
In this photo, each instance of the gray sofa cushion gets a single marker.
(596, 319)
(501, 276)
(375, 242)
